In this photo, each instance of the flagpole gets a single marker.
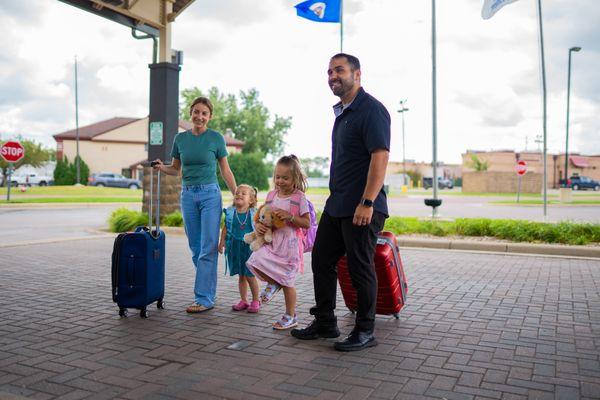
(341, 26)
(434, 184)
(543, 65)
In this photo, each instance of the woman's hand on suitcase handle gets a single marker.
(156, 164)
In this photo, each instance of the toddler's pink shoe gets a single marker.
(242, 305)
(254, 306)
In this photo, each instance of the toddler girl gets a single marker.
(238, 222)
(279, 262)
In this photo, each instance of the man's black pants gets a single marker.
(336, 237)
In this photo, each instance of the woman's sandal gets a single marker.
(197, 308)
(268, 292)
(286, 322)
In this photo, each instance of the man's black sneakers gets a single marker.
(317, 330)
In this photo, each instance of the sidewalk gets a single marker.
(476, 326)
(494, 246)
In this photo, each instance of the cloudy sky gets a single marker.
(489, 94)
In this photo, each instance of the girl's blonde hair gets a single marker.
(253, 194)
(298, 177)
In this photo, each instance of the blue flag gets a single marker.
(320, 10)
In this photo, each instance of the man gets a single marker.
(355, 210)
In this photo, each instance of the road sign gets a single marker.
(156, 133)
(12, 151)
(521, 168)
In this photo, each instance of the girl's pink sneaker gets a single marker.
(242, 305)
(254, 306)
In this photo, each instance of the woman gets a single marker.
(196, 153)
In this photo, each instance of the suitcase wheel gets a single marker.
(144, 313)
(160, 304)
(396, 315)
(123, 312)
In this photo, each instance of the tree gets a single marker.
(84, 171)
(35, 155)
(316, 167)
(61, 172)
(477, 164)
(414, 175)
(249, 169)
(65, 173)
(248, 119)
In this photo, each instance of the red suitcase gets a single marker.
(391, 281)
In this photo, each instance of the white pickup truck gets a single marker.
(30, 179)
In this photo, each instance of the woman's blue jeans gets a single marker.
(201, 207)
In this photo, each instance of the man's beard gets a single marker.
(344, 87)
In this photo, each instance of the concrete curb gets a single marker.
(503, 247)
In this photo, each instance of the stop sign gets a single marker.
(12, 151)
(521, 167)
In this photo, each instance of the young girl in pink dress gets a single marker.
(279, 262)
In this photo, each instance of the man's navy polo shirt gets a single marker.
(362, 128)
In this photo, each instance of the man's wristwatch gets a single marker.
(366, 202)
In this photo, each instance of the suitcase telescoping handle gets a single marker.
(156, 233)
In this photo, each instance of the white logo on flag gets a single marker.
(318, 9)
(490, 7)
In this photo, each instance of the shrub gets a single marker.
(124, 220)
(472, 227)
(84, 171)
(65, 173)
(514, 230)
(62, 173)
(173, 219)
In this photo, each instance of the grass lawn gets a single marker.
(71, 200)
(71, 194)
(551, 202)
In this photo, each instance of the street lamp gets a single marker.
(572, 49)
(402, 110)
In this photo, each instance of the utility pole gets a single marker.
(572, 49)
(402, 110)
(78, 179)
(435, 202)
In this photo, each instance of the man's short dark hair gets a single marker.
(353, 61)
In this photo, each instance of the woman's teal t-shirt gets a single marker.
(198, 155)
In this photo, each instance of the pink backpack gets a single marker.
(307, 235)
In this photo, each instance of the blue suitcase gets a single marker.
(138, 265)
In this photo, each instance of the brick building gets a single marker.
(506, 160)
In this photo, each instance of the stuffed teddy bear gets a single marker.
(265, 216)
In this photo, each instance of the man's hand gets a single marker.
(362, 215)
(221, 246)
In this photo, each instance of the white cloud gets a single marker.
(488, 75)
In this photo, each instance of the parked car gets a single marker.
(113, 180)
(443, 183)
(31, 179)
(577, 182)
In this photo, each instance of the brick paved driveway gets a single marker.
(477, 326)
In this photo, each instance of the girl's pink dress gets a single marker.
(283, 258)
